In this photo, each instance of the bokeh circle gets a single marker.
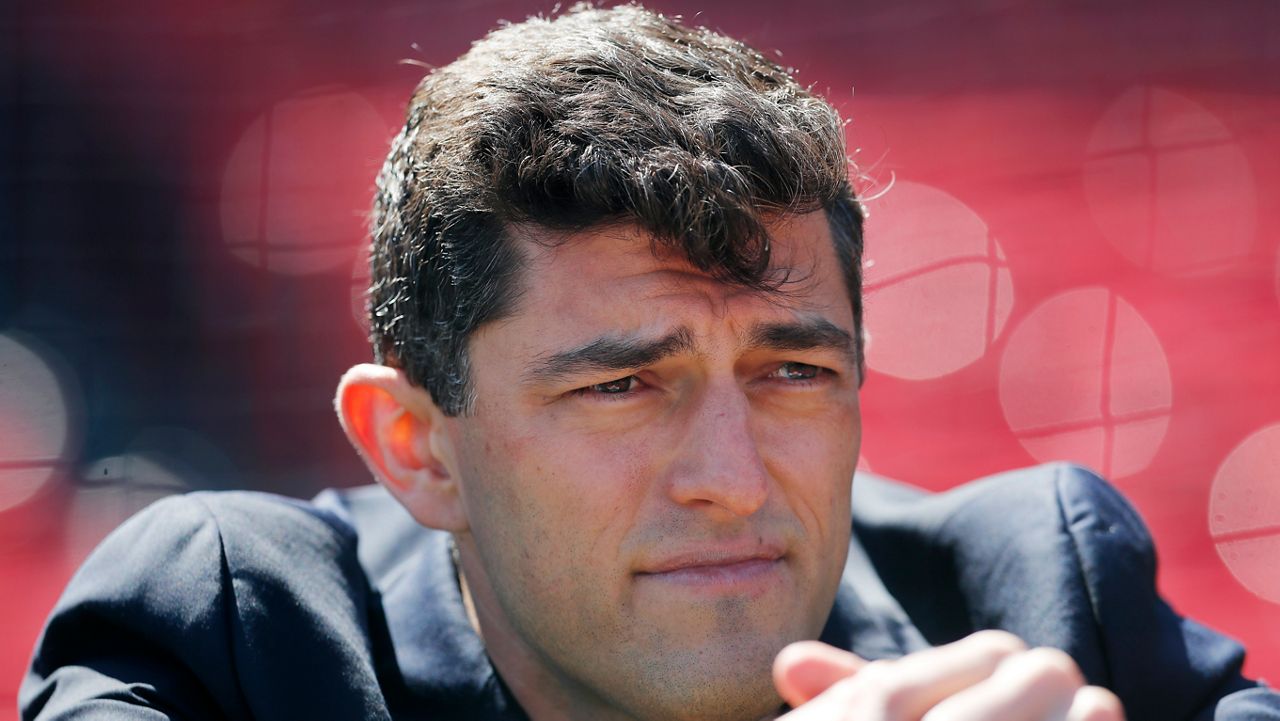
(1244, 513)
(295, 190)
(36, 404)
(1168, 185)
(938, 287)
(1085, 378)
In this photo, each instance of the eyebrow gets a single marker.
(622, 353)
(609, 353)
(804, 334)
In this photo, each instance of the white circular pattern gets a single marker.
(1244, 513)
(34, 420)
(1168, 186)
(1084, 378)
(937, 286)
(295, 189)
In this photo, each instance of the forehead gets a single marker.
(609, 285)
(569, 273)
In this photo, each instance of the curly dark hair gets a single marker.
(596, 116)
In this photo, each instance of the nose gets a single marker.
(719, 465)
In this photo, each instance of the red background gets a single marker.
(1074, 253)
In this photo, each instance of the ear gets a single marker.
(400, 433)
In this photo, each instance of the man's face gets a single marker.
(656, 472)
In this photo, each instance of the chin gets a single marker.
(727, 679)
(723, 699)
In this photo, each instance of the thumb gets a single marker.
(807, 668)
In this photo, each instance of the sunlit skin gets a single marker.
(641, 541)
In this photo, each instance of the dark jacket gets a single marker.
(249, 606)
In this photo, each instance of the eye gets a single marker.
(793, 371)
(616, 387)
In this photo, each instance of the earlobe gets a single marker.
(399, 432)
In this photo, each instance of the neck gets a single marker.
(544, 692)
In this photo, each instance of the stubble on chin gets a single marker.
(727, 679)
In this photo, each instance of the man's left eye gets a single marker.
(614, 387)
(796, 371)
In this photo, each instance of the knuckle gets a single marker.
(1096, 704)
(841, 696)
(896, 700)
(998, 643)
(878, 670)
(879, 684)
(1053, 667)
(877, 675)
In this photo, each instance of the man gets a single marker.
(616, 308)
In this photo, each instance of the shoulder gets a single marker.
(1040, 492)
(1031, 551)
(1057, 556)
(181, 543)
(198, 517)
(1029, 515)
(188, 556)
(1054, 520)
(249, 599)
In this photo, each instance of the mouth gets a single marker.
(718, 571)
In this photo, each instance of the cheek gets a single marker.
(814, 459)
(553, 503)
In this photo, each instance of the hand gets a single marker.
(989, 676)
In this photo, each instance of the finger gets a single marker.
(908, 687)
(807, 668)
(1095, 704)
(917, 682)
(1037, 685)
